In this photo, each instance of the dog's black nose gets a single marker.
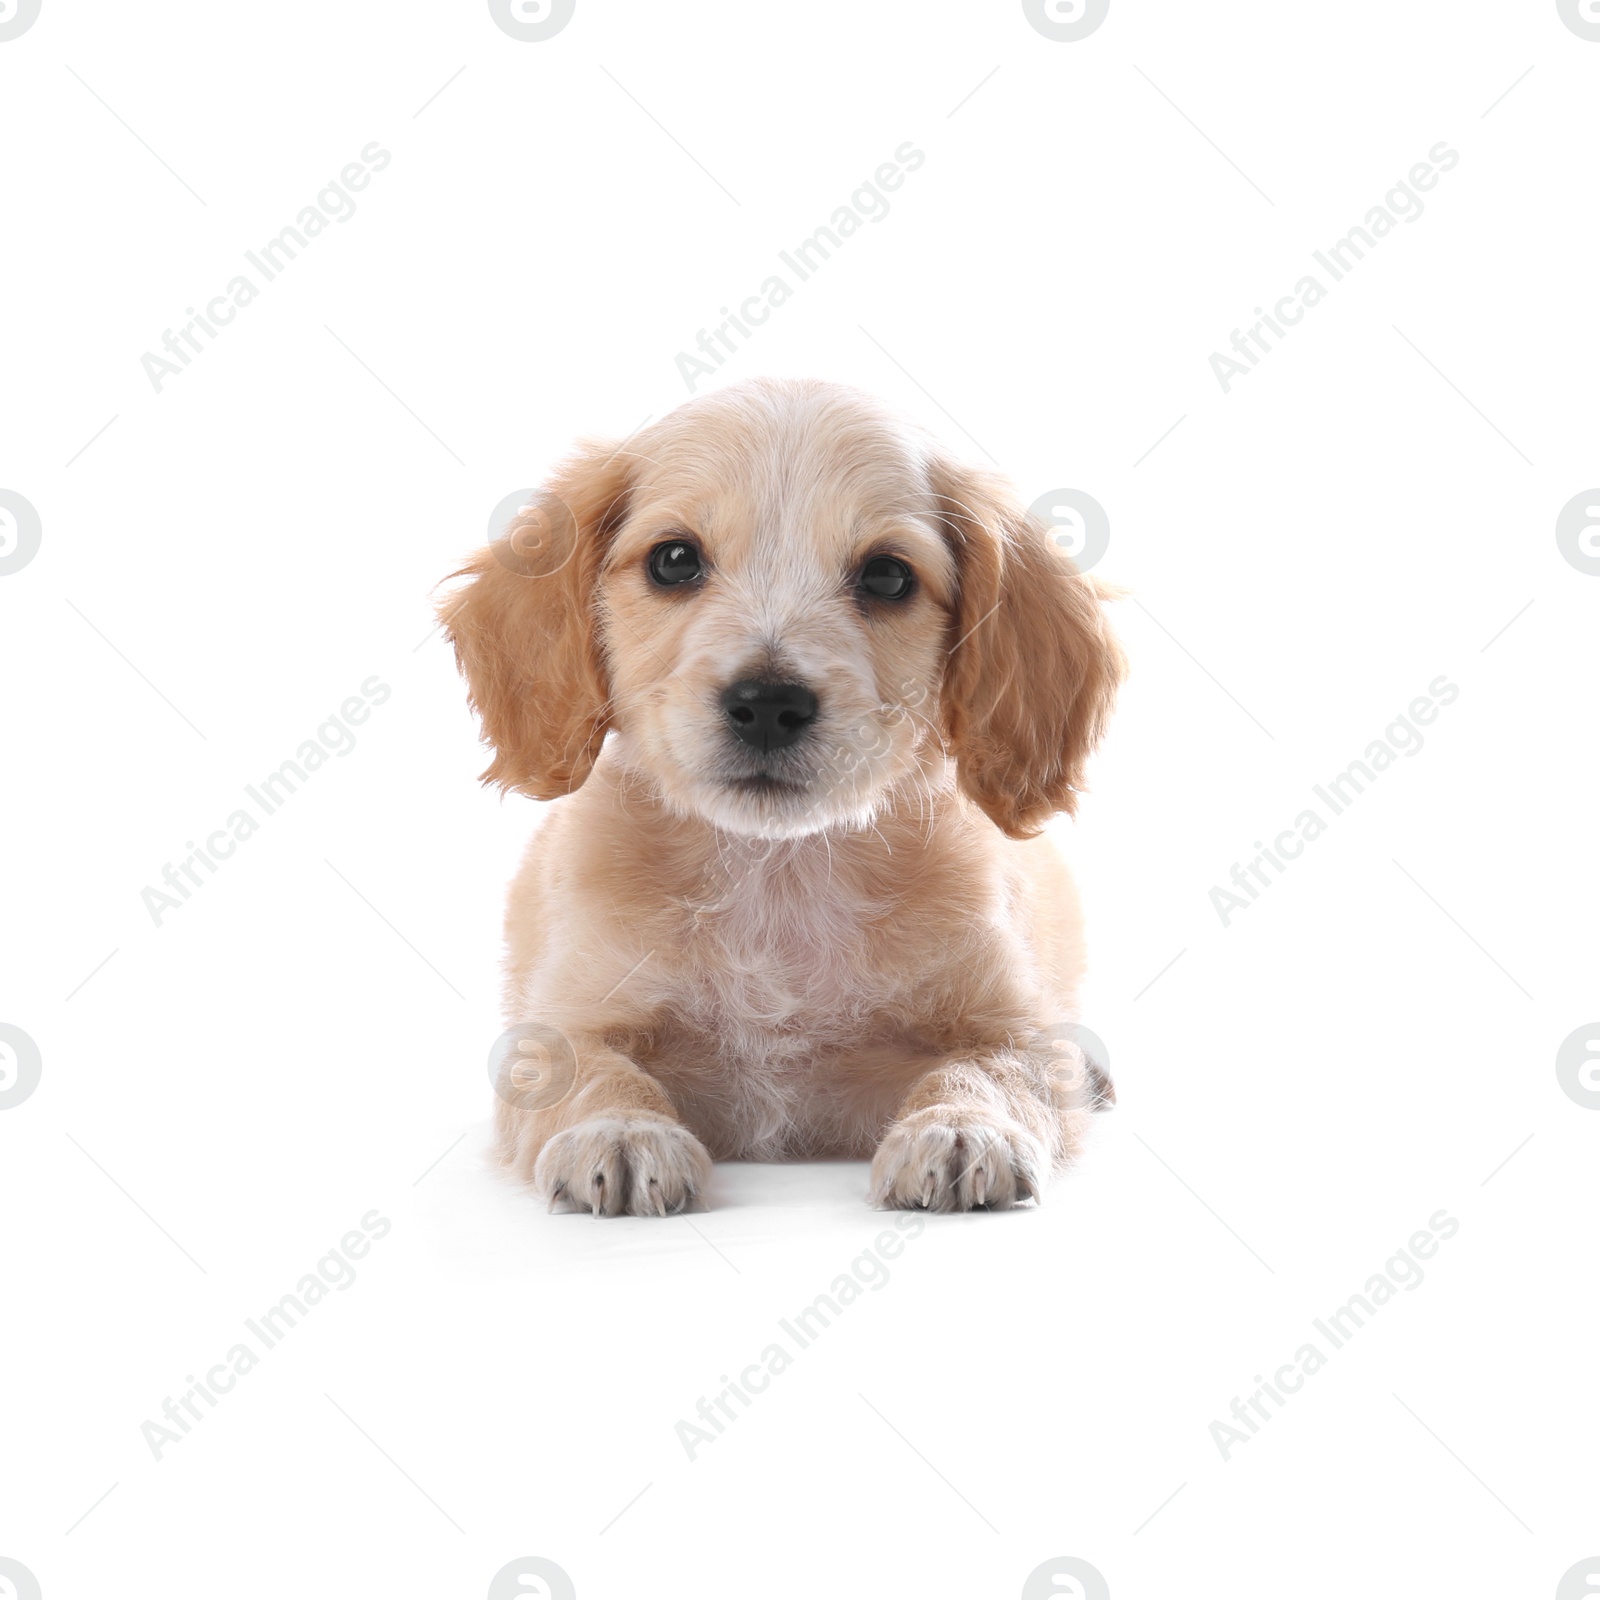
(769, 715)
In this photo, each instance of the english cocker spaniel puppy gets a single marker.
(804, 692)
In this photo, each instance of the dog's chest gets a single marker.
(784, 956)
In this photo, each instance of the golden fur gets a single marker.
(875, 958)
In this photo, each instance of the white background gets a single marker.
(1374, 1039)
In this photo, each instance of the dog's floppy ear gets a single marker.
(524, 628)
(1033, 669)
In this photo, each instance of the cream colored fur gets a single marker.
(878, 960)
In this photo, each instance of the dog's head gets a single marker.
(785, 604)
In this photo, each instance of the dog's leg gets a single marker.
(983, 1130)
(611, 1145)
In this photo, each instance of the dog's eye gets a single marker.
(886, 578)
(674, 562)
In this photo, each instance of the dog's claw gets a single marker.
(557, 1195)
(938, 1160)
(614, 1167)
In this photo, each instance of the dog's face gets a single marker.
(786, 606)
(774, 611)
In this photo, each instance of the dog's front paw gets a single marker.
(942, 1159)
(615, 1166)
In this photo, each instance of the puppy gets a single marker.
(805, 692)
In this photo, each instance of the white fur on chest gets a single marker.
(780, 958)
